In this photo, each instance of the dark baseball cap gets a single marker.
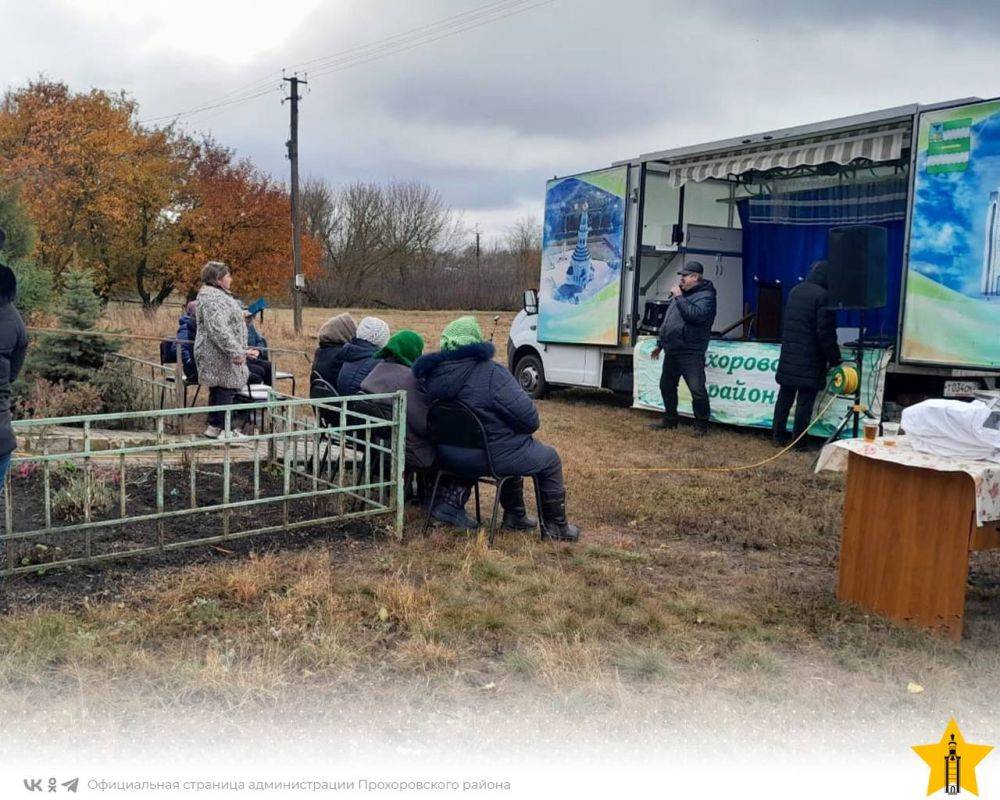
(692, 268)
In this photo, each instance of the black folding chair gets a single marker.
(322, 389)
(381, 436)
(452, 424)
(165, 360)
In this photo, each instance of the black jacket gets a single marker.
(187, 329)
(13, 346)
(326, 363)
(687, 326)
(808, 334)
(470, 375)
(356, 359)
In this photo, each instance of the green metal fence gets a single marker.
(156, 380)
(308, 464)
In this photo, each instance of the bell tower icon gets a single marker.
(952, 769)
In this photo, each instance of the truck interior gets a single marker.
(758, 218)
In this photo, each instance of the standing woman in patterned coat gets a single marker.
(220, 346)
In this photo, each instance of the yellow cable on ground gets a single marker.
(738, 467)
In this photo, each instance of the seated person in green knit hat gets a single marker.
(392, 374)
(464, 370)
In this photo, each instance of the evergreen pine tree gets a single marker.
(71, 358)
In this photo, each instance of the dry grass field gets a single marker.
(686, 591)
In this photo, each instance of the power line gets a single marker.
(489, 9)
(254, 87)
(377, 49)
(201, 109)
(428, 38)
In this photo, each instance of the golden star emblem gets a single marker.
(936, 756)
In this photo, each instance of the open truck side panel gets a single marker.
(735, 205)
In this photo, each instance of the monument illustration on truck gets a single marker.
(580, 272)
(582, 257)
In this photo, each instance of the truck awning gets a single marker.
(881, 143)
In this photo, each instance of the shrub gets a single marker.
(70, 500)
(118, 389)
(48, 399)
(72, 358)
(34, 287)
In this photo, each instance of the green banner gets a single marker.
(741, 386)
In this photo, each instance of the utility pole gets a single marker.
(293, 157)
(477, 247)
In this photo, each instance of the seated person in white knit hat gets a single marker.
(358, 358)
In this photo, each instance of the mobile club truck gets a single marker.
(756, 211)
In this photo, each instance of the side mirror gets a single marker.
(530, 302)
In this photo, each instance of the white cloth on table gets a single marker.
(985, 474)
(952, 428)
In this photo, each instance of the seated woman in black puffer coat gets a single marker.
(358, 357)
(464, 370)
(332, 336)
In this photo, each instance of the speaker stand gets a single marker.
(857, 409)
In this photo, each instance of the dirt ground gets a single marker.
(699, 596)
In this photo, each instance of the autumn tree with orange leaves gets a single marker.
(241, 216)
(143, 208)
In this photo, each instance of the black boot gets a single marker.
(450, 507)
(554, 524)
(665, 424)
(515, 515)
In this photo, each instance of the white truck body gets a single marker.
(659, 235)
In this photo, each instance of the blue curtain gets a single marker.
(783, 234)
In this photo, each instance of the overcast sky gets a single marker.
(486, 116)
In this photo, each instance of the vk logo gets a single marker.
(36, 784)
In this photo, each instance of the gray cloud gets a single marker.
(486, 117)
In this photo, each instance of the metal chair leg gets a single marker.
(430, 508)
(496, 509)
(479, 516)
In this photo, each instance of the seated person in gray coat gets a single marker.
(393, 373)
(464, 370)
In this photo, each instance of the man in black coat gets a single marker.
(13, 346)
(683, 339)
(808, 349)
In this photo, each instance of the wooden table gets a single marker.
(907, 535)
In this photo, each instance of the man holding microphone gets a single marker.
(683, 340)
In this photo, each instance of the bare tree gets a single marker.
(369, 232)
(316, 204)
(524, 243)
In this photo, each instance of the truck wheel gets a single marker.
(531, 376)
